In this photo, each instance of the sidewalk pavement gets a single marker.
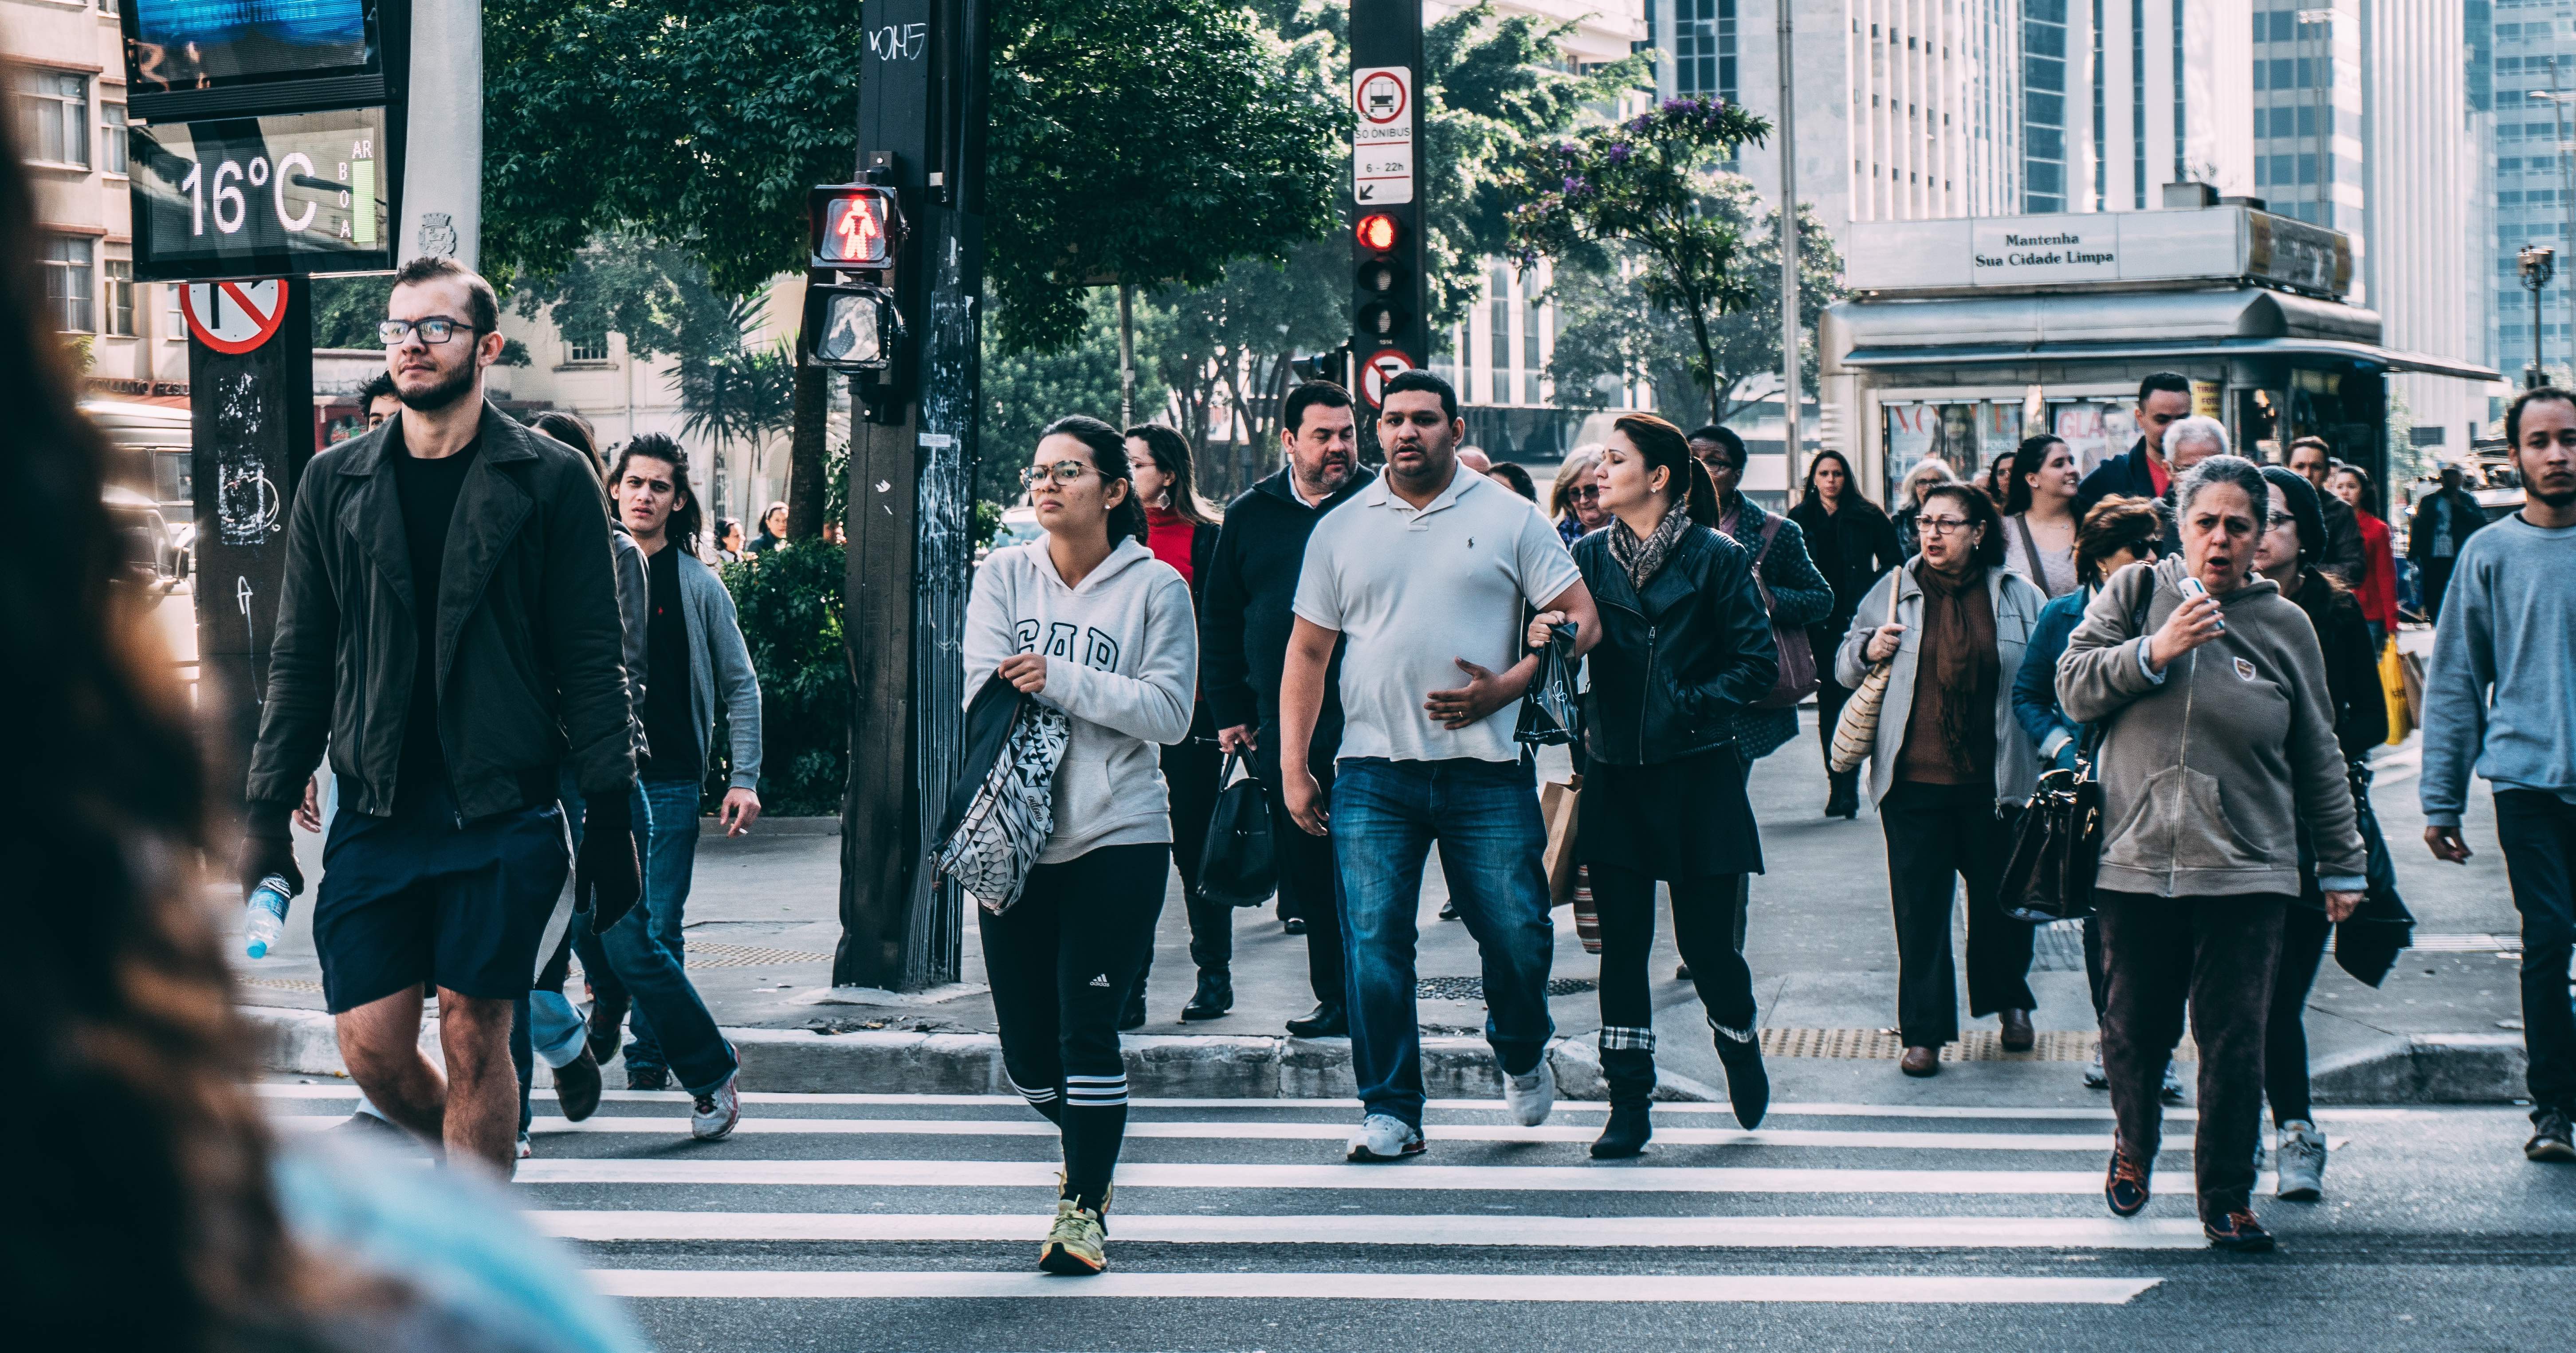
(2444, 1027)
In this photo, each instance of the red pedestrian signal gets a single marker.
(1378, 231)
(855, 227)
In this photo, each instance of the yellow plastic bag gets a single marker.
(2392, 686)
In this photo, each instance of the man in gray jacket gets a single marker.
(694, 652)
(448, 625)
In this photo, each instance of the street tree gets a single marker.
(1611, 335)
(1645, 183)
(1024, 391)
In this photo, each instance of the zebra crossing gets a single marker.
(863, 1201)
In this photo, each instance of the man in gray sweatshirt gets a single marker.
(2500, 695)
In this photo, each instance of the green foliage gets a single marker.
(1609, 333)
(1228, 346)
(654, 292)
(736, 395)
(1645, 183)
(1025, 391)
(790, 606)
(1149, 140)
(346, 310)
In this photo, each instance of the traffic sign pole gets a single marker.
(1390, 292)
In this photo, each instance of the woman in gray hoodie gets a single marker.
(1089, 622)
(2220, 741)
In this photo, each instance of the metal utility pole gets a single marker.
(2558, 99)
(1787, 230)
(922, 109)
(2537, 261)
(1390, 325)
(443, 152)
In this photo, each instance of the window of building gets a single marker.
(119, 275)
(111, 138)
(69, 298)
(1498, 336)
(174, 325)
(1704, 47)
(1532, 364)
(2043, 78)
(587, 352)
(53, 109)
(110, 7)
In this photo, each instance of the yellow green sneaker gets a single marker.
(1076, 1247)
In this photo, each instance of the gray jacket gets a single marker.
(719, 663)
(2016, 601)
(2209, 768)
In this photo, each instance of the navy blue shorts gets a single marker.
(417, 897)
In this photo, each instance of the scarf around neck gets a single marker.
(1959, 643)
(1642, 558)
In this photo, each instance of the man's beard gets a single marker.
(441, 395)
(2556, 502)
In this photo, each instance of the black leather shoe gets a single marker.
(577, 1086)
(1748, 1084)
(1326, 1020)
(2018, 1036)
(1133, 1017)
(1214, 997)
(1449, 910)
(2240, 1232)
(1294, 925)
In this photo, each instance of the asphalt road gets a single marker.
(910, 1222)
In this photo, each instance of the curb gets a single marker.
(303, 1042)
(2421, 1069)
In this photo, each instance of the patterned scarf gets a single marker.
(1642, 558)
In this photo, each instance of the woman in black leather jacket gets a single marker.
(1685, 645)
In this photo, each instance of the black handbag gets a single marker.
(1551, 713)
(2366, 944)
(2058, 850)
(1239, 864)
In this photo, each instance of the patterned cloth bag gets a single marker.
(1012, 814)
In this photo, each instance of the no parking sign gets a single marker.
(234, 317)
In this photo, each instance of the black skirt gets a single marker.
(1677, 820)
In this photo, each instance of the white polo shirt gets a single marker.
(1412, 592)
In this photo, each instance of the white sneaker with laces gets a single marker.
(527, 1149)
(2095, 1078)
(1384, 1137)
(1531, 1098)
(2301, 1162)
(713, 1115)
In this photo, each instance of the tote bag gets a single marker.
(1856, 732)
(1011, 813)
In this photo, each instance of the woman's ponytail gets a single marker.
(1701, 503)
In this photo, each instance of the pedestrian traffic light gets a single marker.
(855, 227)
(1382, 278)
(1378, 231)
(851, 326)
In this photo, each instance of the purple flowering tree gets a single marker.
(1641, 184)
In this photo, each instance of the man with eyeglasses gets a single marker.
(449, 624)
(2164, 399)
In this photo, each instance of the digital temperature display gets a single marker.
(263, 197)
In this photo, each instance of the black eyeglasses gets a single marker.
(434, 330)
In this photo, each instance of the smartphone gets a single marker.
(2191, 588)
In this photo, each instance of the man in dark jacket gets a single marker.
(449, 625)
(2438, 531)
(2312, 460)
(2164, 399)
(1244, 620)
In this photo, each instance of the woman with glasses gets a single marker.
(2118, 532)
(2039, 514)
(2294, 540)
(1181, 529)
(1854, 545)
(1950, 770)
(1574, 503)
(2219, 747)
(1086, 621)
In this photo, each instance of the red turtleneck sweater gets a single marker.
(1170, 535)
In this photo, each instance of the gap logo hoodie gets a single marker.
(1122, 655)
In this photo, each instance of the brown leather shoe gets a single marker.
(2018, 1036)
(1920, 1062)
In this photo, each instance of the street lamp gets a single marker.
(2558, 101)
(2538, 262)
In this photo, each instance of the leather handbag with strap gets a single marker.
(1238, 864)
(1856, 732)
(2057, 849)
(1797, 679)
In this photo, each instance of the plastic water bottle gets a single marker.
(264, 916)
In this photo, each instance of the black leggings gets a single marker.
(2304, 930)
(1704, 927)
(1060, 962)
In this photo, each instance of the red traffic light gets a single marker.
(855, 226)
(1377, 231)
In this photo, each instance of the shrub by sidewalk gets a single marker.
(790, 604)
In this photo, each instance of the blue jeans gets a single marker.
(1484, 815)
(639, 960)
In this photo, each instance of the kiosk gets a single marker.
(1962, 336)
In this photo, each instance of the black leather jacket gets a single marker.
(1673, 664)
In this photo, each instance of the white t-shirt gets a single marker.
(1413, 592)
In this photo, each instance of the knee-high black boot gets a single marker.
(1631, 1074)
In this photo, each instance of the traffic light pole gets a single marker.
(921, 132)
(1390, 328)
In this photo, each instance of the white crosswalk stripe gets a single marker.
(904, 1171)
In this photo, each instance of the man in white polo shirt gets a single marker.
(1427, 573)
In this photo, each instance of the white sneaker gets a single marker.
(1384, 1137)
(2301, 1161)
(527, 1149)
(1531, 1098)
(2095, 1078)
(712, 1116)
